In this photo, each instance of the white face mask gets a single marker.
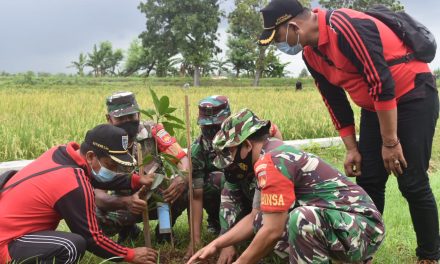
(104, 174)
(286, 48)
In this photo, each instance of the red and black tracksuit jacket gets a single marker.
(40, 203)
(351, 56)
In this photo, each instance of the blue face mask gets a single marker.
(104, 174)
(286, 48)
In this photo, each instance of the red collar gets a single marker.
(71, 149)
(322, 26)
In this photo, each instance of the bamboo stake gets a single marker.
(190, 187)
(145, 216)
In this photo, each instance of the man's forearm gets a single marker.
(243, 230)
(260, 247)
(267, 236)
(183, 164)
(108, 202)
(350, 142)
(388, 126)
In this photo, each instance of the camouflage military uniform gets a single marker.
(223, 200)
(237, 198)
(111, 222)
(212, 111)
(330, 217)
(236, 202)
(207, 177)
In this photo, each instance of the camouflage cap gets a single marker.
(235, 129)
(213, 110)
(121, 104)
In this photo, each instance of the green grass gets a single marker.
(34, 80)
(399, 245)
(37, 117)
(48, 111)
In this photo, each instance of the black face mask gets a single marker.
(209, 132)
(131, 128)
(240, 168)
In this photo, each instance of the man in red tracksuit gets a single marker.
(347, 51)
(59, 185)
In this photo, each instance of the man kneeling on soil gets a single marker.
(120, 210)
(327, 217)
(59, 185)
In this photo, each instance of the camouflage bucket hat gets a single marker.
(213, 110)
(236, 129)
(121, 104)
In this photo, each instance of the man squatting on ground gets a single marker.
(327, 216)
(61, 188)
(226, 196)
(119, 211)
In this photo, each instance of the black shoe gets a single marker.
(129, 232)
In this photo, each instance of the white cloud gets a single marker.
(46, 35)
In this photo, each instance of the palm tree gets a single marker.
(95, 61)
(80, 64)
(184, 67)
(219, 64)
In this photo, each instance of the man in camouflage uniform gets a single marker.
(328, 217)
(225, 200)
(237, 198)
(207, 179)
(119, 211)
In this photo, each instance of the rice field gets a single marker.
(35, 117)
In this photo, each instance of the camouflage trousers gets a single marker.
(112, 222)
(211, 196)
(234, 205)
(319, 235)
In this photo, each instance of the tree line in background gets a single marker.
(181, 37)
(103, 60)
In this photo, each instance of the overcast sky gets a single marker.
(46, 35)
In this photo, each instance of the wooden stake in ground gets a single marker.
(145, 216)
(190, 185)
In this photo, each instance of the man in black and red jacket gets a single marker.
(59, 185)
(347, 51)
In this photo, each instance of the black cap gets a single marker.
(276, 13)
(121, 104)
(112, 141)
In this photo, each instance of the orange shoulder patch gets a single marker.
(277, 191)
